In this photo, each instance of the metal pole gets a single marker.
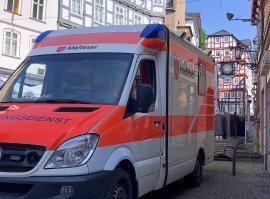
(234, 160)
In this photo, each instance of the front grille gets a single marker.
(19, 158)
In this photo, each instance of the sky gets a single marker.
(213, 16)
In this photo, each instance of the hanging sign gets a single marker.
(227, 69)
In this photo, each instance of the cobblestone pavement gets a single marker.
(250, 182)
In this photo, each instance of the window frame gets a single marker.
(226, 37)
(202, 79)
(236, 82)
(31, 43)
(12, 11)
(232, 94)
(229, 52)
(38, 10)
(100, 6)
(217, 52)
(139, 62)
(239, 94)
(81, 7)
(134, 20)
(117, 13)
(217, 38)
(18, 41)
(158, 4)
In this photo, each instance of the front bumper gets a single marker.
(86, 186)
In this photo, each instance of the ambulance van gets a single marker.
(106, 112)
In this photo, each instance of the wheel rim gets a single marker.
(119, 192)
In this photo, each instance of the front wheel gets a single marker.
(194, 179)
(120, 186)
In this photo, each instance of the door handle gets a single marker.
(157, 122)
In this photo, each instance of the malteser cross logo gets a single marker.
(60, 49)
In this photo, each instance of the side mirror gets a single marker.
(145, 97)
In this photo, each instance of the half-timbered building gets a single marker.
(233, 92)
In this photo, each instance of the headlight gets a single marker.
(74, 152)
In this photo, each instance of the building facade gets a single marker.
(260, 17)
(193, 20)
(74, 13)
(233, 92)
(21, 21)
(175, 14)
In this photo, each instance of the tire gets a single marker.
(119, 186)
(194, 179)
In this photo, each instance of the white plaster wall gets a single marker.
(27, 28)
(193, 40)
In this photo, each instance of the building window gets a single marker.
(13, 6)
(217, 53)
(99, 11)
(76, 7)
(156, 22)
(227, 52)
(225, 95)
(235, 80)
(239, 94)
(232, 108)
(217, 39)
(32, 43)
(241, 111)
(202, 79)
(137, 19)
(158, 2)
(38, 9)
(226, 39)
(11, 43)
(119, 15)
(232, 94)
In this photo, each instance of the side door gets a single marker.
(147, 141)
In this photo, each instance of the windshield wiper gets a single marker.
(72, 101)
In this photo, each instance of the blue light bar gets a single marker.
(42, 36)
(154, 31)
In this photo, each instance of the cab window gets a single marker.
(146, 74)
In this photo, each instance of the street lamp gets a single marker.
(238, 51)
(230, 18)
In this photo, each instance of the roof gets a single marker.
(221, 33)
(196, 16)
(246, 42)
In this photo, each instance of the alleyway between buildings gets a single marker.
(250, 182)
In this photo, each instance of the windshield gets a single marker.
(69, 78)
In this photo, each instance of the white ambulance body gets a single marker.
(149, 122)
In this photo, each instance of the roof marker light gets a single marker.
(154, 31)
(42, 36)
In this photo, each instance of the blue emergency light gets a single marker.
(42, 36)
(154, 31)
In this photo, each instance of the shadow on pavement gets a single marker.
(171, 191)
